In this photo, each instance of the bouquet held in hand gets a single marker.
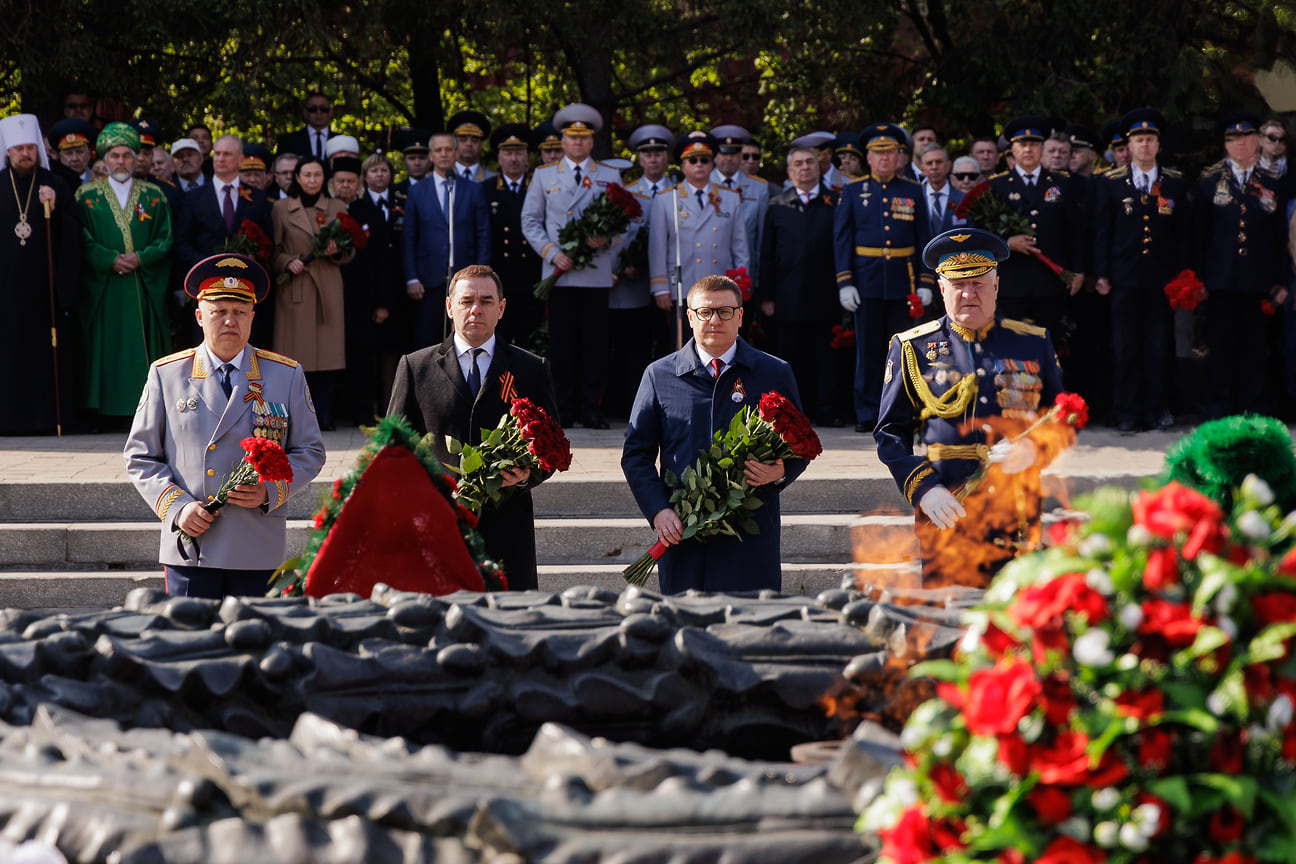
(713, 497)
(526, 437)
(248, 240)
(264, 461)
(987, 210)
(345, 230)
(608, 216)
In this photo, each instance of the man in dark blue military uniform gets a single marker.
(946, 383)
(1030, 290)
(1239, 243)
(878, 229)
(512, 257)
(1141, 233)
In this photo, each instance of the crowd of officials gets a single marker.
(832, 254)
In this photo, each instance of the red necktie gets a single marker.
(716, 364)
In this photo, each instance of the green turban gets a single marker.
(116, 135)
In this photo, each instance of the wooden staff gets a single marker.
(49, 263)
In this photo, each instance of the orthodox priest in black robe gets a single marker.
(27, 350)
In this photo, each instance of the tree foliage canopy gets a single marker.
(779, 67)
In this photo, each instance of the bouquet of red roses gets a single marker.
(1185, 291)
(248, 240)
(915, 305)
(987, 210)
(1124, 697)
(742, 280)
(606, 217)
(526, 437)
(345, 230)
(713, 497)
(843, 337)
(264, 461)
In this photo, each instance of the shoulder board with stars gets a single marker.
(277, 358)
(920, 330)
(171, 358)
(1022, 327)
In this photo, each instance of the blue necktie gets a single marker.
(474, 374)
(225, 379)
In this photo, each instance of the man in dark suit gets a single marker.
(1028, 290)
(310, 139)
(1141, 235)
(683, 399)
(210, 214)
(466, 384)
(798, 282)
(511, 255)
(426, 237)
(942, 198)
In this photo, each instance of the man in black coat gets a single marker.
(311, 138)
(202, 225)
(797, 288)
(435, 389)
(1028, 290)
(1141, 234)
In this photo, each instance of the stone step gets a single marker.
(610, 540)
(102, 589)
(117, 500)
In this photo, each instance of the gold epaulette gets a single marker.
(1172, 172)
(852, 181)
(1000, 174)
(1023, 328)
(171, 358)
(278, 358)
(757, 178)
(1117, 173)
(547, 164)
(1218, 168)
(727, 189)
(921, 330)
(1060, 173)
(638, 195)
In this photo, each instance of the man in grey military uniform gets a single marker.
(706, 217)
(755, 190)
(637, 322)
(579, 334)
(196, 408)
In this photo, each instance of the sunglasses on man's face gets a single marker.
(77, 105)
(698, 160)
(1276, 139)
(319, 109)
(751, 157)
(960, 175)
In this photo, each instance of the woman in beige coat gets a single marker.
(309, 310)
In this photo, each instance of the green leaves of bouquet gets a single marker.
(1126, 696)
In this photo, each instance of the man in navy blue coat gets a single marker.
(425, 240)
(683, 400)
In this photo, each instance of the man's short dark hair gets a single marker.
(711, 284)
(477, 271)
(317, 94)
(1060, 136)
(990, 138)
(202, 126)
(930, 128)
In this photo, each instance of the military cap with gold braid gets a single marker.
(578, 119)
(883, 136)
(71, 132)
(1028, 127)
(963, 253)
(255, 157)
(511, 136)
(472, 123)
(695, 143)
(227, 276)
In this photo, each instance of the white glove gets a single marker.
(925, 295)
(1013, 457)
(942, 508)
(848, 297)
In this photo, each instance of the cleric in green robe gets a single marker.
(127, 265)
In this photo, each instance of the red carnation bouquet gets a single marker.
(345, 230)
(988, 211)
(1124, 697)
(264, 461)
(248, 240)
(843, 337)
(915, 305)
(1068, 409)
(713, 497)
(742, 280)
(526, 437)
(608, 216)
(1185, 291)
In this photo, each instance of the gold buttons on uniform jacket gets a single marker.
(211, 472)
(211, 446)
